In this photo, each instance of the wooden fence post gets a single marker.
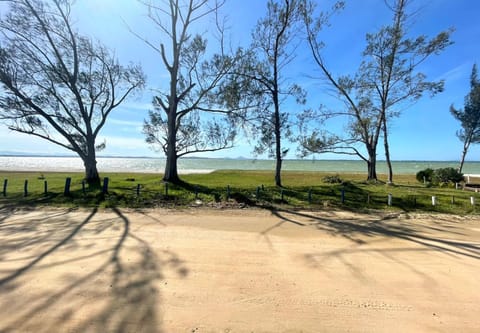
(105, 185)
(5, 183)
(68, 182)
(25, 188)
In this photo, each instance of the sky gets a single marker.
(424, 131)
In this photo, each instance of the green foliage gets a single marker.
(302, 190)
(440, 176)
(447, 175)
(425, 175)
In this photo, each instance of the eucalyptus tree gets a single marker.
(57, 84)
(469, 116)
(274, 43)
(387, 81)
(196, 112)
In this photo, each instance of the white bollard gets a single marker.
(389, 201)
(434, 200)
(472, 201)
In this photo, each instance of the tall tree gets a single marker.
(196, 112)
(387, 80)
(469, 117)
(275, 39)
(58, 85)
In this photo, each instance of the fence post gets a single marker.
(228, 192)
(368, 199)
(389, 200)
(5, 183)
(310, 196)
(196, 192)
(342, 195)
(83, 187)
(45, 187)
(472, 201)
(66, 191)
(138, 190)
(25, 188)
(434, 200)
(105, 185)
(166, 189)
(453, 200)
(258, 192)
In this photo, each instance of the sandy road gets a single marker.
(237, 271)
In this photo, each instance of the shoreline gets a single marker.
(207, 165)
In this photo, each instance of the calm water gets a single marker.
(156, 165)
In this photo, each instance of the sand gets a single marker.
(237, 271)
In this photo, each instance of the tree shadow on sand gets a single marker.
(365, 231)
(108, 289)
(354, 228)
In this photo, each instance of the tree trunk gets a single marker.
(91, 172)
(278, 146)
(464, 154)
(387, 153)
(278, 171)
(372, 164)
(171, 169)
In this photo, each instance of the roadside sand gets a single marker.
(237, 271)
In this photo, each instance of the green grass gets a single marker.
(302, 190)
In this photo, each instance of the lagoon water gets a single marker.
(205, 165)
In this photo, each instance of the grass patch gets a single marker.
(302, 190)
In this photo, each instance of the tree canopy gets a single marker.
(388, 79)
(57, 84)
(196, 113)
(469, 116)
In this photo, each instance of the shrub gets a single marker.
(425, 175)
(332, 179)
(447, 175)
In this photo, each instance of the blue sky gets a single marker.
(425, 131)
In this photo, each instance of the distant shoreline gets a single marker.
(235, 158)
(206, 165)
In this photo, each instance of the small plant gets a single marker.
(425, 175)
(332, 179)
